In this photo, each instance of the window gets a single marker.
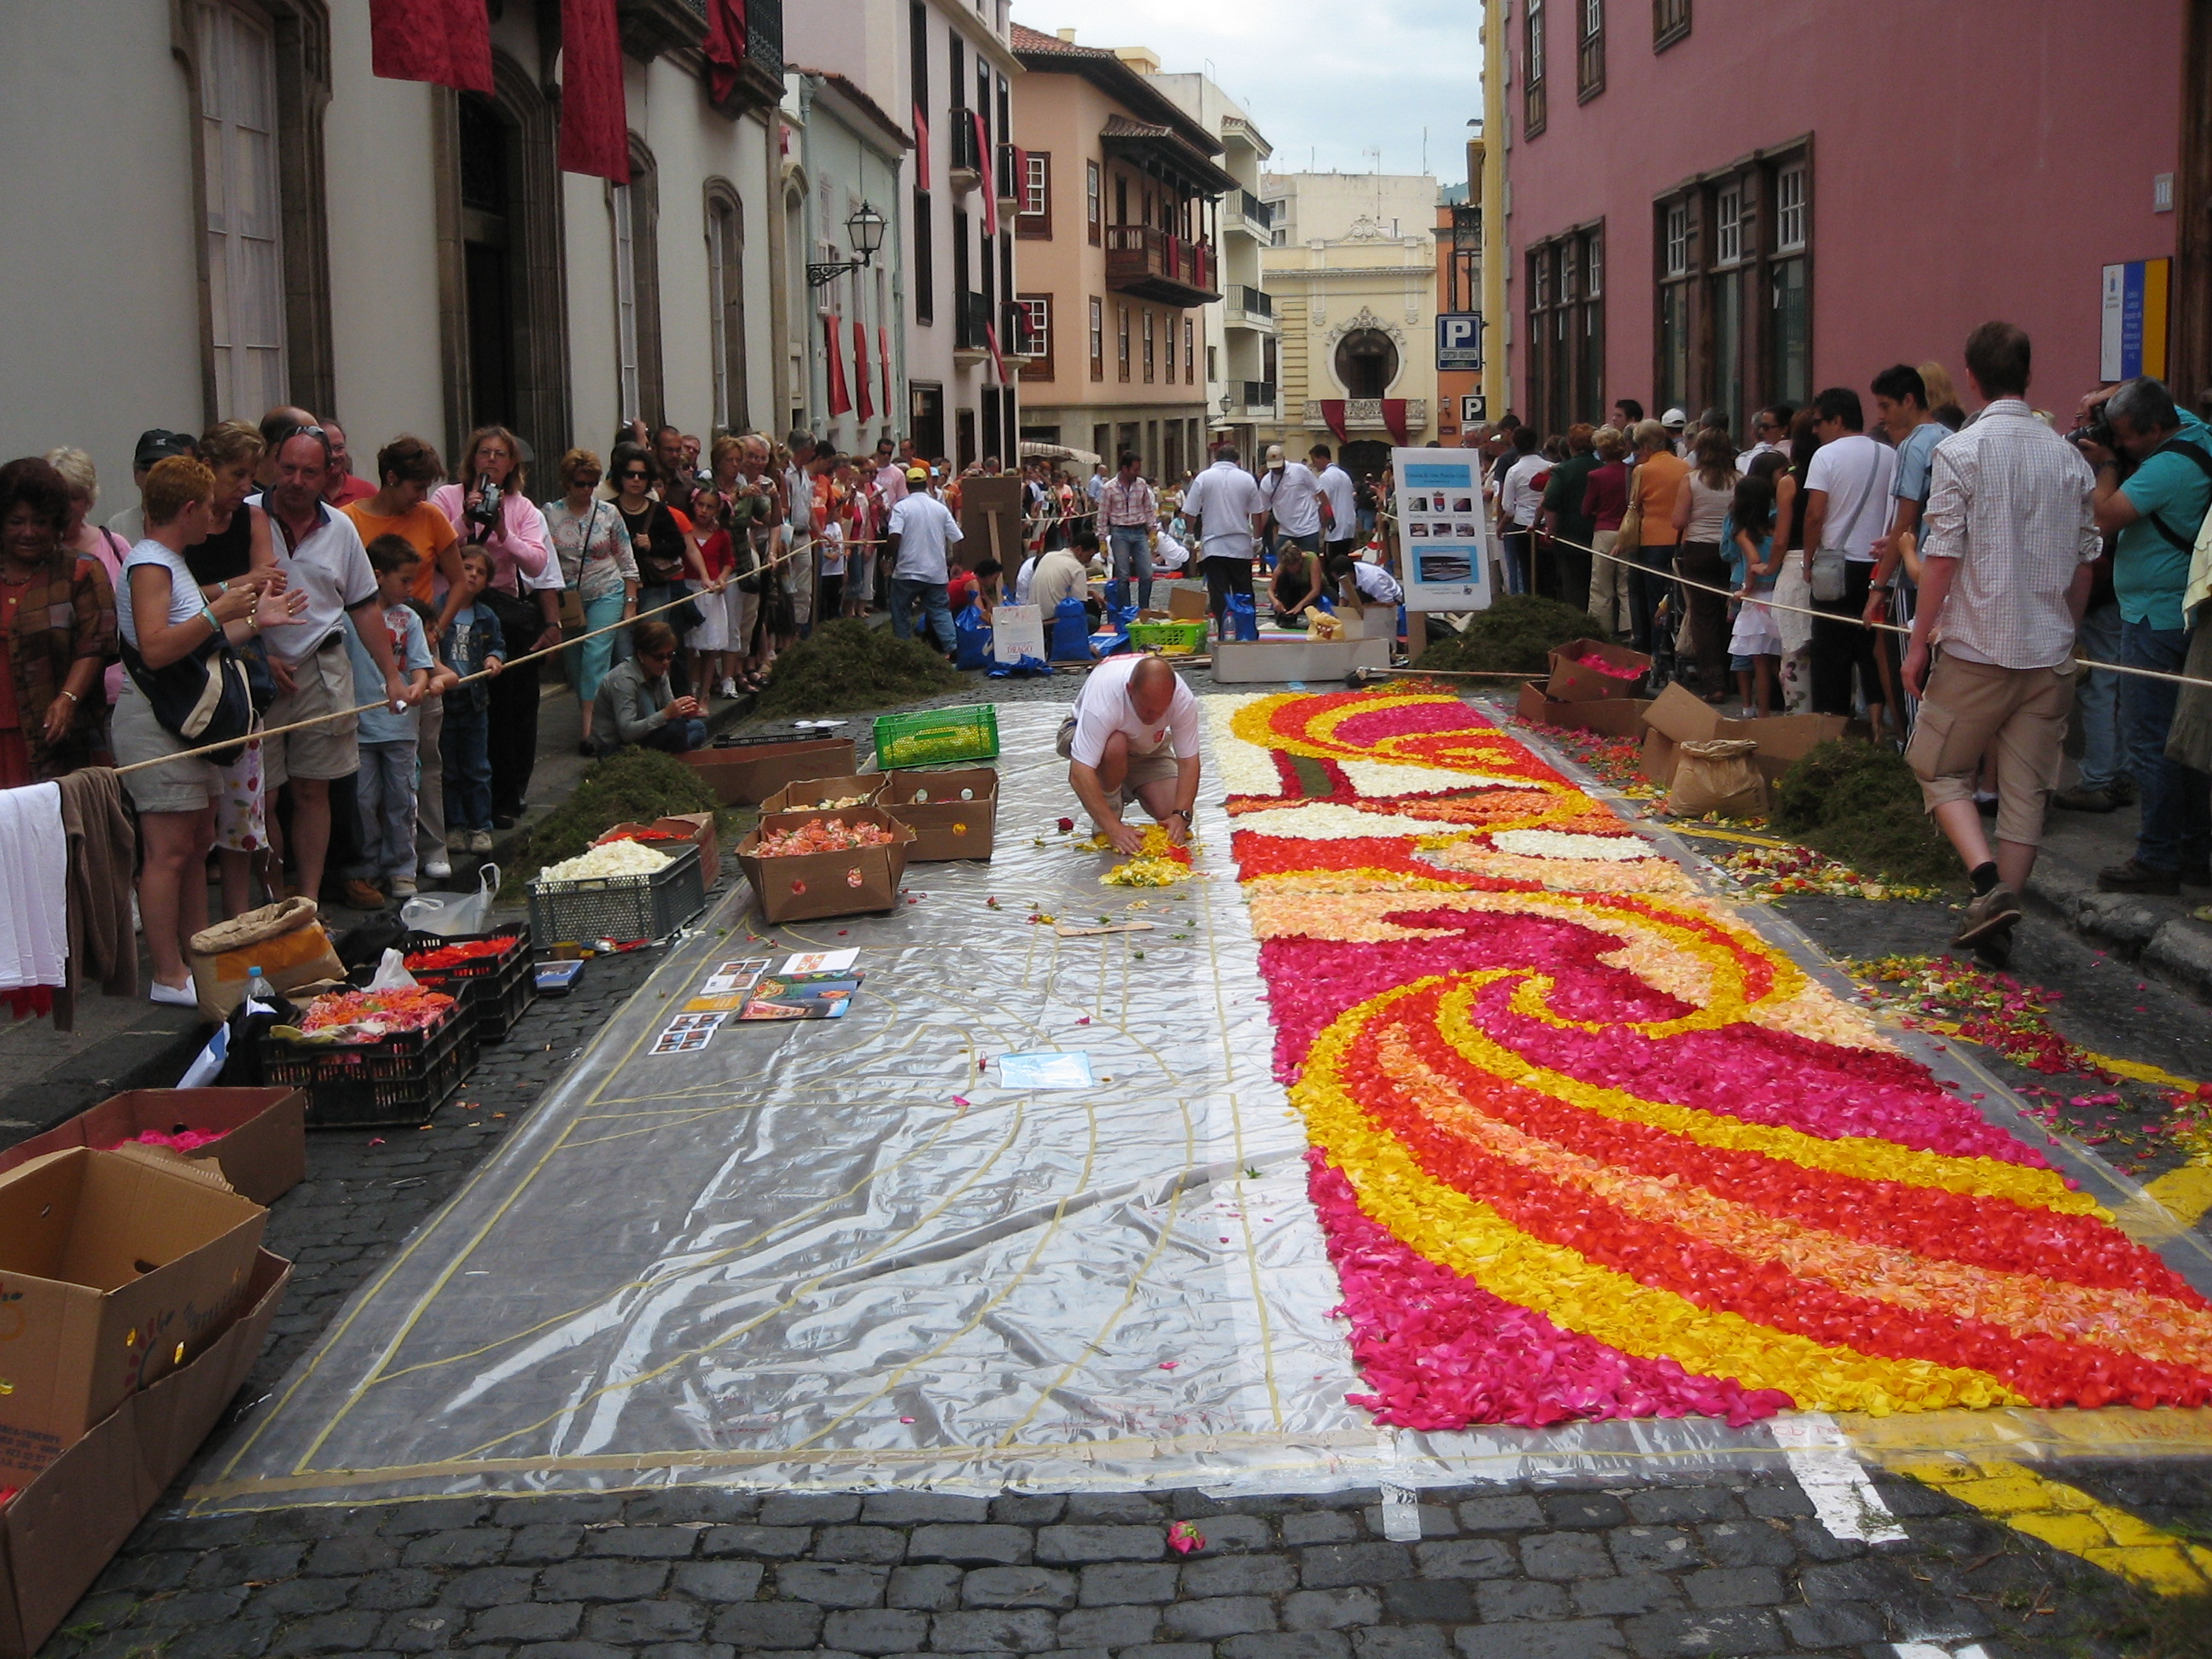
(1727, 225)
(1590, 52)
(1097, 338)
(1789, 209)
(924, 260)
(1532, 74)
(245, 262)
(1122, 340)
(1214, 362)
(1677, 242)
(1148, 348)
(1566, 329)
(1094, 202)
(1189, 368)
(1670, 21)
(1036, 186)
(626, 400)
(726, 309)
(1366, 362)
(1037, 310)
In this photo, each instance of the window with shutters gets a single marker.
(1670, 21)
(726, 307)
(1097, 338)
(1532, 71)
(1037, 310)
(1034, 221)
(1148, 348)
(1566, 329)
(1122, 340)
(245, 249)
(1189, 369)
(1590, 52)
(622, 210)
(1094, 202)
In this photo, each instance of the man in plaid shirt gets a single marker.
(1132, 512)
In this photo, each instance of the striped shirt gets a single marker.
(1129, 506)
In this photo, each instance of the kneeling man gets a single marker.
(1133, 737)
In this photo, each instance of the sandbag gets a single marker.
(1715, 776)
(285, 941)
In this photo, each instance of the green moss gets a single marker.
(632, 786)
(1862, 805)
(1515, 635)
(847, 667)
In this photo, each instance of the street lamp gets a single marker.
(865, 230)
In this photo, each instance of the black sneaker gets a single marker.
(2137, 877)
(2084, 800)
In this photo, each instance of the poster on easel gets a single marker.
(1442, 529)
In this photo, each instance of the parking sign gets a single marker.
(1459, 339)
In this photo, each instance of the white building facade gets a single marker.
(252, 217)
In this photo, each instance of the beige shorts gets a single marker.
(184, 785)
(1145, 766)
(322, 684)
(2016, 716)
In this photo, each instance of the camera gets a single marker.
(484, 515)
(2099, 432)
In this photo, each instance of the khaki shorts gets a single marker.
(1145, 766)
(2016, 716)
(323, 685)
(184, 785)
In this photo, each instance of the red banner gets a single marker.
(841, 399)
(986, 163)
(724, 47)
(884, 353)
(860, 369)
(1331, 411)
(594, 121)
(921, 149)
(1394, 416)
(444, 42)
(998, 360)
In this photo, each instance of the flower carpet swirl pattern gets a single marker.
(1585, 1145)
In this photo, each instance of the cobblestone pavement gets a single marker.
(1625, 1570)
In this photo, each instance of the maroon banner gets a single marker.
(594, 118)
(989, 164)
(1331, 411)
(1394, 416)
(921, 149)
(724, 47)
(840, 398)
(860, 369)
(444, 42)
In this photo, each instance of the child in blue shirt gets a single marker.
(384, 789)
(472, 643)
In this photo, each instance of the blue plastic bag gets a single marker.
(1244, 620)
(1071, 633)
(1117, 594)
(1022, 668)
(972, 639)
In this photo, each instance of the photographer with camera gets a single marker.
(2153, 466)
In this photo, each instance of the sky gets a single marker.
(1327, 83)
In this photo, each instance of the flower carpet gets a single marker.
(1584, 1145)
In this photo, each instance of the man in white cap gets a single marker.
(1293, 497)
(1674, 421)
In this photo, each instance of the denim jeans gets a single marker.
(2097, 699)
(1513, 553)
(468, 768)
(937, 610)
(384, 795)
(1132, 550)
(2177, 801)
(678, 737)
(1648, 587)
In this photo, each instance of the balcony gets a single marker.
(971, 316)
(963, 156)
(651, 28)
(1018, 341)
(1256, 400)
(1154, 265)
(1366, 414)
(1247, 308)
(1011, 193)
(1256, 217)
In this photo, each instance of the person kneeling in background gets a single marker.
(635, 705)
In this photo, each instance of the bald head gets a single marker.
(1151, 688)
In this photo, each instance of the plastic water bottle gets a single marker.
(257, 989)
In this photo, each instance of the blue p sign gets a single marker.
(1459, 339)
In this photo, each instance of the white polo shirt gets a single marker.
(1226, 498)
(1294, 496)
(1337, 488)
(925, 528)
(1103, 708)
(330, 567)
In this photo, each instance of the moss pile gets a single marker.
(633, 786)
(1860, 805)
(847, 667)
(1515, 635)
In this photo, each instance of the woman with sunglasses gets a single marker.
(662, 544)
(638, 706)
(491, 508)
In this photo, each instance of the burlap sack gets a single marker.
(285, 941)
(1716, 776)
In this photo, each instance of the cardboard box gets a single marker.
(745, 774)
(1379, 622)
(1677, 716)
(116, 1267)
(696, 827)
(70, 1517)
(1611, 717)
(263, 1153)
(1294, 657)
(1186, 605)
(1572, 683)
(810, 886)
(959, 819)
(812, 794)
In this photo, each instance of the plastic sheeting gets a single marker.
(794, 1258)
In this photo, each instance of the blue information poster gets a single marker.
(1441, 534)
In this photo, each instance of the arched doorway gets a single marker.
(488, 277)
(1366, 362)
(1365, 457)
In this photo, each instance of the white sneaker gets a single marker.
(186, 997)
(437, 869)
(457, 840)
(402, 888)
(728, 689)
(480, 841)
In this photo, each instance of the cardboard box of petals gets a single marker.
(954, 813)
(805, 866)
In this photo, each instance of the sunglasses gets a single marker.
(633, 473)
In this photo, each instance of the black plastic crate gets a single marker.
(623, 908)
(401, 1078)
(493, 991)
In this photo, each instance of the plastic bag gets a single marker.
(1023, 667)
(1243, 618)
(454, 915)
(1071, 632)
(392, 974)
(971, 637)
(1715, 775)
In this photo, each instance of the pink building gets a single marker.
(1738, 203)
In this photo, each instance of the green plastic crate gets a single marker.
(1171, 638)
(937, 736)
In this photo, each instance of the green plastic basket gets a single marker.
(937, 736)
(1171, 638)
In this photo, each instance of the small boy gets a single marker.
(384, 790)
(472, 643)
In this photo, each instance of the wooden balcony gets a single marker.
(1154, 265)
